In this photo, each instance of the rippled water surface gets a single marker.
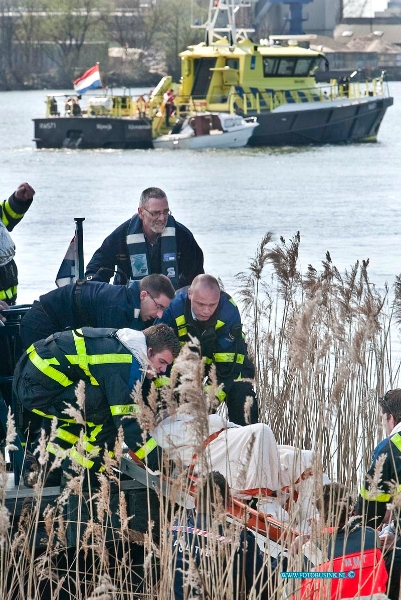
(344, 199)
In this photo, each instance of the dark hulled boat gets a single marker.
(273, 80)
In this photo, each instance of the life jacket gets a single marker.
(138, 253)
(7, 246)
(365, 574)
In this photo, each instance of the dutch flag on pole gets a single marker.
(90, 80)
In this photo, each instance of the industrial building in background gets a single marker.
(355, 34)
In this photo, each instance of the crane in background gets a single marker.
(295, 17)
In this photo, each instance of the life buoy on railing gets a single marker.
(200, 105)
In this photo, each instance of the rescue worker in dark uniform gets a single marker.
(344, 545)
(110, 362)
(152, 241)
(11, 213)
(242, 567)
(372, 503)
(97, 304)
(205, 312)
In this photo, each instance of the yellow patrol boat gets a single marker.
(272, 81)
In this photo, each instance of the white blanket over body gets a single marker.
(247, 456)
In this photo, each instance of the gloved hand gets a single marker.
(388, 537)
(24, 192)
(3, 306)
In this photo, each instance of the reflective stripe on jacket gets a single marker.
(45, 380)
(221, 338)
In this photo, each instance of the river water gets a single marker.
(344, 199)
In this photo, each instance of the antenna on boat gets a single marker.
(221, 20)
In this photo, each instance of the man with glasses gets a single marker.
(152, 241)
(97, 304)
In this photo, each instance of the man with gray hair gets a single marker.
(152, 241)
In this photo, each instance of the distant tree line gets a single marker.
(51, 42)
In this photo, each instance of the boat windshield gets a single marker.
(288, 67)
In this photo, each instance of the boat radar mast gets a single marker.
(221, 20)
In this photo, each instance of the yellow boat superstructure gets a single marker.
(273, 81)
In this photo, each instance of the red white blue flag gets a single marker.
(67, 273)
(90, 80)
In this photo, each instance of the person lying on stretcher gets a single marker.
(249, 457)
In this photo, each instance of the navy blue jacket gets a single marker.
(373, 504)
(50, 387)
(11, 213)
(221, 338)
(352, 537)
(247, 560)
(103, 305)
(114, 253)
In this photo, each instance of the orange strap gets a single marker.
(254, 492)
(205, 444)
(136, 459)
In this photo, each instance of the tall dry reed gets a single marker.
(321, 343)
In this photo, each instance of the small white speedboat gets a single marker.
(209, 130)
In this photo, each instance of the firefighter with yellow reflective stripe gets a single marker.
(110, 362)
(205, 312)
(376, 495)
(11, 213)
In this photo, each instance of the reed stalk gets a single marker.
(322, 346)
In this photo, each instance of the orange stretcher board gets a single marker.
(254, 520)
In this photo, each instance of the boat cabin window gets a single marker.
(232, 63)
(228, 122)
(269, 66)
(286, 67)
(203, 124)
(303, 66)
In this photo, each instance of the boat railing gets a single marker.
(237, 100)
(99, 106)
(269, 100)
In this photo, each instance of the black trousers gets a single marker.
(237, 393)
(392, 560)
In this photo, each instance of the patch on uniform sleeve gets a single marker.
(169, 256)
(140, 266)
